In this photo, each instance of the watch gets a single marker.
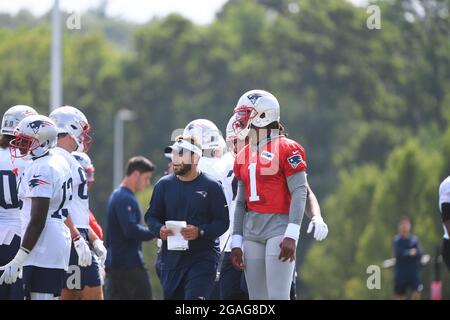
(201, 232)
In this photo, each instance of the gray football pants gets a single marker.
(268, 278)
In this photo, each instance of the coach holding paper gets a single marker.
(192, 196)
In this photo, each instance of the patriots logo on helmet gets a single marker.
(36, 182)
(295, 160)
(254, 97)
(38, 124)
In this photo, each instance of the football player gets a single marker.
(231, 282)
(84, 271)
(272, 194)
(10, 223)
(95, 232)
(46, 190)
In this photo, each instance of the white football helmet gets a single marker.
(34, 136)
(72, 121)
(255, 107)
(207, 133)
(13, 116)
(86, 163)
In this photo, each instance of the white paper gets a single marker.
(176, 242)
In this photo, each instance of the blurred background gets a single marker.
(370, 106)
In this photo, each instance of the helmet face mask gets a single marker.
(234, 127)
(23, 143)
(256, 108)
(85, 139)
(244, 116)
(34, 136)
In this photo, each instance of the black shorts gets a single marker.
(128, 284)
(42, 280)
(412, 283)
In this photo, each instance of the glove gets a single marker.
(13, 269)
(320, 228)
(100, 251)
(83, 251)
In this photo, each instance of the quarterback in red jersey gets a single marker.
(264, 174)
(271, 198)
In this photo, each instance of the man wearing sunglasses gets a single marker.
(193, 197)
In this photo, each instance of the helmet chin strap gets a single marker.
(39, 154)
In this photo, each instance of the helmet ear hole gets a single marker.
(263, 115)
(73, 127)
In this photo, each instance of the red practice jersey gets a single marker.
(95, 225)
(264, 174)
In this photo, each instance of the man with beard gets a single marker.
(192, 197)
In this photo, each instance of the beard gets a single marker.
(182, 169)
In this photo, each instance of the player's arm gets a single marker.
(238, 229)
(80, 245)
(312, 204)
(313, 212)
(98, 246)
(74, 233)
(419, 251)
(298, 188)
(38, 216)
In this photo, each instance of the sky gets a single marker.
(140, 11)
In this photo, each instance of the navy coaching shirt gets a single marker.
(125, 233)
(200, 203)
(407, 266)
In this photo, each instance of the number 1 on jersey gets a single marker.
(253, 191)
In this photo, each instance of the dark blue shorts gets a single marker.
(42, 280)
(410, 283)
(76, 277)
(194, 282)
(7, 253)
(232, 282)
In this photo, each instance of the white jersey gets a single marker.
(48, 177)
(216, 168)
(10, 204)
(444, 197)
(79, 206)
(230, 189)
